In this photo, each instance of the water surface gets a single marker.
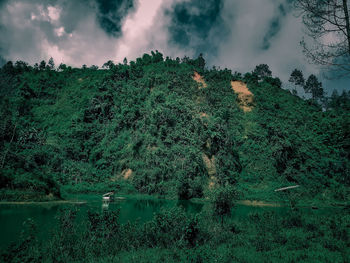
(12, 216)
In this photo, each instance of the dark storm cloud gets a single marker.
(193, 23)
(73, 12)
(2, 60)
(232, 33)
(111, 14)
(242, 34)
(14, 36)
(71, 31)
(275, 26)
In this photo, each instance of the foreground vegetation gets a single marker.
(174, 236)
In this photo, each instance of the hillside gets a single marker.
(166, 127)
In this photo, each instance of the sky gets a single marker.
(237, 34)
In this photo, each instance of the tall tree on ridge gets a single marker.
(297, 78)
(314, 87)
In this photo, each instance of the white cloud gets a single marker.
(59, 31)
(33, 30)
(136, 30)
(249, 23)
(87, 43)
(146, 30)
(54, 13)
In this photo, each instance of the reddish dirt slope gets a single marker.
(245, 97)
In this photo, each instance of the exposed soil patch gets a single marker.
(209, 164)
(152, 148)
(126, 174)
(213, 182)
(245, 97)
(203, 115)
(199, 79)
(211, 169)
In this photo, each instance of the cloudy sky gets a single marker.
(238, 34)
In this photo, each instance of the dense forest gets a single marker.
(168, 127)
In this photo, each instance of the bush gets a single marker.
(223, 201)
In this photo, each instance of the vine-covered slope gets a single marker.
(168, 127)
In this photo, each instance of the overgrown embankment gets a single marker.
(166, 127)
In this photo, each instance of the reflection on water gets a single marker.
(105, 205)
(144, 205)
(190, 206)
(134, 210)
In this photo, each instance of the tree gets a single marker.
(62, 67)
(157, 56)
(327, 23)
(183, 189)
(125, 61)
(21, 66)
(109, 64)
(334, 100)
(262, 71)
(42, 65)
(201, 61)
(223, 202)
(9, 68)
(314, 87)
(51, 64)
(297, 78)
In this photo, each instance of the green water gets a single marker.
(13, 216)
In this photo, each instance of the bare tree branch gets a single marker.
(327, 23)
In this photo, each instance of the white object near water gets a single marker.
(286, 188)
(108, 196)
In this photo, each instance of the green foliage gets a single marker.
(174, 236)
(26, 250)
(262, 71)
(297, 78)
(171, 228)
(314, 87)
(223, 201)
(148, 118)
(50, 64)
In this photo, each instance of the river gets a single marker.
(12, 216)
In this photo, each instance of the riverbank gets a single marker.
(42, 202)
(85, 198)
(83, 192)
(159, 230)
(9, 195)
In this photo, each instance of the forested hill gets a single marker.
(166, 127)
